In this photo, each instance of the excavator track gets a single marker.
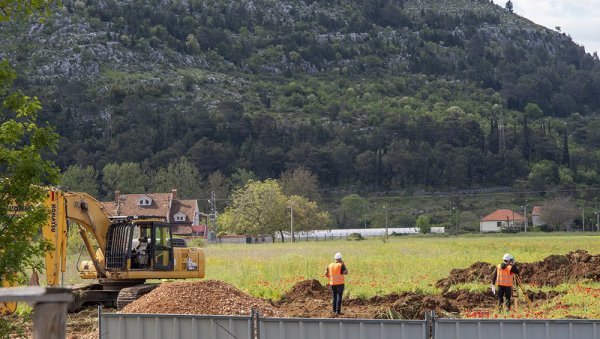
(130, 294)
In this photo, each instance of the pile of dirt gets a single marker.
(557, 269)
(307, 289)
(552, 271)
(209, 297)
(478, 272)
(310, 299)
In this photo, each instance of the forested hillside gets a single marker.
(379, 94)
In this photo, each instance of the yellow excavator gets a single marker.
(124, 251)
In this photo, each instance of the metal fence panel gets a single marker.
(515, 329)
(163, 326)
(300, 328)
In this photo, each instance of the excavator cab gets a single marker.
(139, 245)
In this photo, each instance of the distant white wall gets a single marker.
(489, 226)
(365, 232)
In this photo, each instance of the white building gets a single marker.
(499, 219)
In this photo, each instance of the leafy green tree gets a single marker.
(544, 173)
(300, 181)
(354, 210)
(242, 176)
(80, 179)
(126, 178)
(180, 174)
(533, 111)
(23, 144)
(423, 223)
(306, 214)
(257, 208)
(566, 157)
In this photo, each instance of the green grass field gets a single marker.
(376, 267)
(408, 263)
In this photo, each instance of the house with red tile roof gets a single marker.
(500, 219)
(181, 214)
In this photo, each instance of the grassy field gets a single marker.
(409, 263)
(376, 267)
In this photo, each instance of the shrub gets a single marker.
(355, 237)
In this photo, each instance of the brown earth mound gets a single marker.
(200, 297)
(310, 299)
(306, 289)
(552, 271)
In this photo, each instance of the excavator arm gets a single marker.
(74, 208)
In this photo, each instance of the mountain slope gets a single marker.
(393, 94)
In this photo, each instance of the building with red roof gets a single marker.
(500, 219)
(181, 214)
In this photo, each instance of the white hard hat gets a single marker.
(338, 256)
(507, 257)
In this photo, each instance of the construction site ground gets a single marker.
(311, 299)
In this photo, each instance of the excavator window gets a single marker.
(163, 252)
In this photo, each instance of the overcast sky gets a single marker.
(578, 18)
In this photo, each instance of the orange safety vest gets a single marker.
(335, 273)
(504, 277)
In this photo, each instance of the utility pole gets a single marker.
(386, 221)
(525, 215)
(583, 217)
(456, 219)
(212, 216)
(292, 220)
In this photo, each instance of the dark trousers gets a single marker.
(337, 291)
(504, 292)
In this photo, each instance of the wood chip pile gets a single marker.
(210, 297)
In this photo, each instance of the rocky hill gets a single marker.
(382, 93)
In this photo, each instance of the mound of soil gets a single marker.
(200, 297)
(557, 269)
(552, 271)
(478, 272)
(310, 299)
(307, 289)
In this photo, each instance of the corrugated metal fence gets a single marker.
(515, 329)
(162, 326)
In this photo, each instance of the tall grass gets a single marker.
(377, 267)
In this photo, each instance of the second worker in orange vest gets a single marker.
(336, 272)
(503, 277)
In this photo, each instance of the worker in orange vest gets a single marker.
(336, 272)
(503, 277)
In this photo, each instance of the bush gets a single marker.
(423, 223)
(355, 237)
